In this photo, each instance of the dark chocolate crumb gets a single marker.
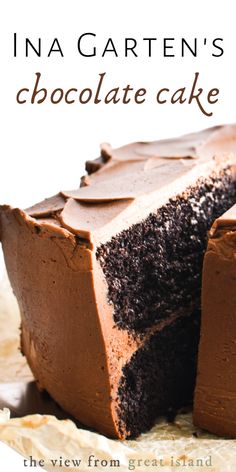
(160, 377)
(153, 269)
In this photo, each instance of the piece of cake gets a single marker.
(215, 395)
(108, 278)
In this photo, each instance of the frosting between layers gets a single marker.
(66, 320)
(127, 183)
(48, 251)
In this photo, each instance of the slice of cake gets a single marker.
(108, 278)
(215, 397)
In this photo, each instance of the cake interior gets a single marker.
(153, 270)
(160, 377)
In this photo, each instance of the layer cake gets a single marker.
(108, 278)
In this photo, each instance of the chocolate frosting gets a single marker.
(69, 337)
(48, 207)
(124, 181)
(24, 398)
(215, 394)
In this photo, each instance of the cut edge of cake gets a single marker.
(55, 273)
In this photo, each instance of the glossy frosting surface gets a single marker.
(125, 183)
(215, 395)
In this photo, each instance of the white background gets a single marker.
(43, 147)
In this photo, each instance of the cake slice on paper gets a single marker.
(108, 278)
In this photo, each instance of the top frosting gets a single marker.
(228, 218)
(123, 182)
(222, 234)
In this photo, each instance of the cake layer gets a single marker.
(215, 395)
(153, 269)
(62, 260)
(160, 376)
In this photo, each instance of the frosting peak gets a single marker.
(128, 180)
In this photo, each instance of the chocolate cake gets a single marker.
(108, 278)
(215, 397)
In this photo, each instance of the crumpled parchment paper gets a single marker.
(61, 446)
